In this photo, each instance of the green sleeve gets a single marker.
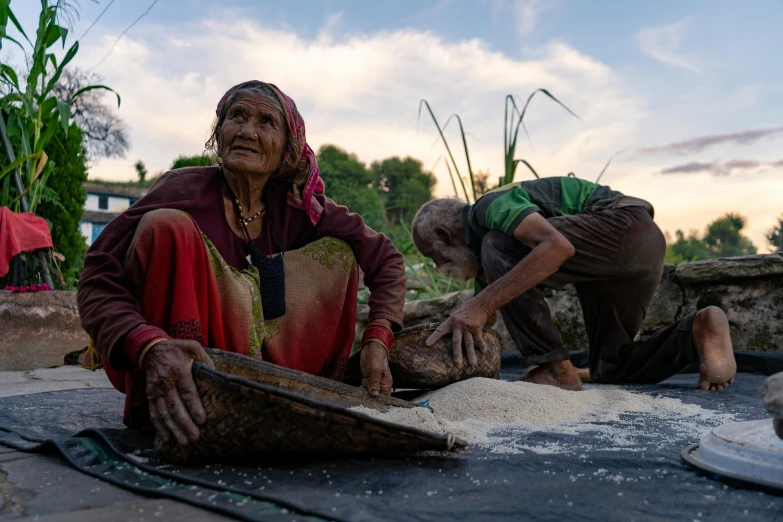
(507, 210)
(574, 195)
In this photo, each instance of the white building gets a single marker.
(104, 203)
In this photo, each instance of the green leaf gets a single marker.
(9, 74)
(17, 24)
(43, 141)
(50, 196)
(93, 87)
(528, 165)
(5, 10)
(63, 34)
(51, 36)
(426, 104)
(607, 164)
(64, 109)
(14, 41)
(11, 98)
(18, 162)
(58, 70)
(48, 106)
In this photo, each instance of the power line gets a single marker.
(96, 20)
(145, 13)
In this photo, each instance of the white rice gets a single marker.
(497, 414)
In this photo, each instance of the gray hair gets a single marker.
(444, 212)
(261, 88)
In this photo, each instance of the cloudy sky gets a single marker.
(689, 91)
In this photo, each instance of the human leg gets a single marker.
(712, 341)
(182, 290)
(614, 295)
(528, 318)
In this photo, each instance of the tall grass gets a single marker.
(512, 123)
(424, 281)
(31, 105)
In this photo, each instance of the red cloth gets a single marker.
(109, 309)
(21, 233)
(181, 298)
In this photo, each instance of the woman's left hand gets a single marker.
(376, 376)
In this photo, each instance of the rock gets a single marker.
(772, 392)
(667, 303)
(716, 270)
(567, 313)
(749, 289)
(38, 329)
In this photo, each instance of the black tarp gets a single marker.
(589, 477)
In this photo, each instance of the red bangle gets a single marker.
(378, 333)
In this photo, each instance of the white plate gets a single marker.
(749, 451)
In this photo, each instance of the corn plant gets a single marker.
(513, 122)
(30, 106)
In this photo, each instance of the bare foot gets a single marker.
(561, 374)
(713, 345)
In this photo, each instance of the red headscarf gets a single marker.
(299, 166)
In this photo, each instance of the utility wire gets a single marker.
(96, 20)
(145, 13)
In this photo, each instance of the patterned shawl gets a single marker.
(299, 166)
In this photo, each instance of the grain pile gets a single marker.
(494, 413)
(420, 418)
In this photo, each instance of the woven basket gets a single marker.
(259, 412)
(416, 365)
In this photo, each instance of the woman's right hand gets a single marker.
(175, 407)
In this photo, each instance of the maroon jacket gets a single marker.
(108, 309)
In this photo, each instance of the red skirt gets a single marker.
(186, 289)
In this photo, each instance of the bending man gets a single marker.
(554, 231)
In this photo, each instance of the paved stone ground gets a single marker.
(51, 379)
(46, 489)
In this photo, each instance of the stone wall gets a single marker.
(37, 330)
(749, 289)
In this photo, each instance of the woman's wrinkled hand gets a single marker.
(175, 407)
(465, 326)
(376, 376)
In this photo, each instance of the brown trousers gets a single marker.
(616, 270)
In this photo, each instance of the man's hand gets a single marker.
(175, 407)
(465, 326)
(376, 376)
(491, 320)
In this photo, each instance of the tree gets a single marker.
(348, 183)
(687, 249)
(105, 134)
(775, 235)
(65, 213)
(200, 160)
(724, 237)
(404, 187)
(141, 171)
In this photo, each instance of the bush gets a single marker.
(404, 186)
(347, 182)
(64, 212)
(193, 161)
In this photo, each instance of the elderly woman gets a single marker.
(248, 256)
